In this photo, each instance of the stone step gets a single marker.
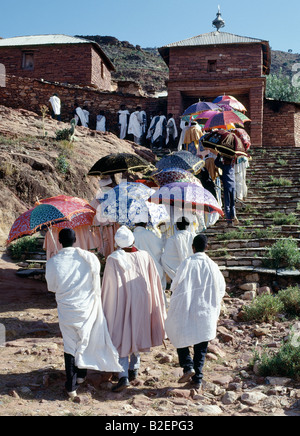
(244, 244)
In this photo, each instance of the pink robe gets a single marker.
(133, 303)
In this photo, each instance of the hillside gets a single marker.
(146, 67)
(36, 165)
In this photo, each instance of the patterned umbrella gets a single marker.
(171, 175)
(201, 106)
(52, 211)
(222, 120)
(118, 163)
(231, 101)
(186, 196)
(244, 137)
(127, 204)
(225, 142)
(181, 159)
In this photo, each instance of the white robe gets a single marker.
(178, 247)
(240, 168)
(146, 240)
(197, 292)
(123, 117)
(80, 115)
(74, 276)
(55, 103)
(171, 126)
(158, 131)
(134, 126)
(101, 123)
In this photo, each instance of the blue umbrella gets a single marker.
(201, 106)
(181, 159)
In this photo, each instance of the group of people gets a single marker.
(161, 132)
(106, 326)
(81, 115)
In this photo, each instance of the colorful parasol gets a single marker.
(187, 196)
(171, 175)
(181, 159)
(231, 101)
(51, 211)
(225, 142)
(223, 120)
(127, 204)
(118, 163)
(201, 106)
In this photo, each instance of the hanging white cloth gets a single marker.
(55, 103)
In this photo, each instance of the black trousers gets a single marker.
(72, 372)
(187, 363)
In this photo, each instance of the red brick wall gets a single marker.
(233, 61)
(75, 64)
(279, 127)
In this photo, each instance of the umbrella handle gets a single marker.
(52, 237)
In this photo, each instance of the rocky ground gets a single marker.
(32, 368)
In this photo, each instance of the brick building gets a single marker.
(57, 58)
(216, 63)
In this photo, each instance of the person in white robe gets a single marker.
(56, 106)
(148, 241)
(74, 276)
(133, 304)
(172, 131)
(79, 116)
(157, 130)
(197, 292)
(123, 116)
(135, 127)
(240, 167)
(178, 247)
(101, 122)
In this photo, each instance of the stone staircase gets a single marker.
(239, 251)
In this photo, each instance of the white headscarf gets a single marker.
(123, 238)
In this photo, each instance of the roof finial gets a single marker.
(218, 22)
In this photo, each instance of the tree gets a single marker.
(281, 87)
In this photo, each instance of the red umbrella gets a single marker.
(52, 211)
(226, 143)
(223, 120)
(231, 101)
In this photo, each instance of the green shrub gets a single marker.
(23, 246)
(264, 308)
(283, 254)
(281, 181)
(284, 363)
(62, 164)
(290, 297)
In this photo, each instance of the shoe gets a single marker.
(72, 395)
(80, 380)
(122, 384)
(186, 376)
(132, 374)
(235, 222)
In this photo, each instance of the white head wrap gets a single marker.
(124, 237)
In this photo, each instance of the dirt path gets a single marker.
(32, 368)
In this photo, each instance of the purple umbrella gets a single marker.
(187, 196)
(201, 106)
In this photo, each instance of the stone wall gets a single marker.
(32, 93)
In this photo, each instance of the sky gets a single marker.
(154, 23)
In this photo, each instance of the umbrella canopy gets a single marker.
(187, 196)
(118, 163)
(231, 101)
(226, 143)
(127, 204)
(171, 175)
(222, 120)
(181, 159)
(244, 137)
(205, 115)
(51, 211)
(201, 106)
